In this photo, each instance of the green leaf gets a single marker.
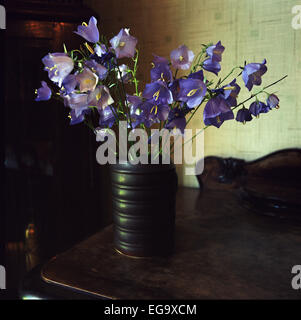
(65, 49)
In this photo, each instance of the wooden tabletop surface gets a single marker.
(222, 251)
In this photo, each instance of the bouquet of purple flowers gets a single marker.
(92, 83)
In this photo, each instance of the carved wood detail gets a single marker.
(270, 185)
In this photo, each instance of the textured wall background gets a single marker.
(250, 30)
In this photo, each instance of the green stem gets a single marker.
(227, 76)
(195, 110)
(173, 145)
(124, 93)
(135, 72)
(117, 89)
(176, 74)
(197, 134)
(197, 60)
(76, 50)
(262, 90)
(115, 113)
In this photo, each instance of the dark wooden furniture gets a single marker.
(223, 251)
(270, 185)
(52, 180)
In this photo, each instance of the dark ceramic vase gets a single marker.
(144, 199)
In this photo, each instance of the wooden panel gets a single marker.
(31, 29)
(47, 10)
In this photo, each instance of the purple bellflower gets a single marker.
(151, 113)
(69, 84)
(265, 108)
(104, 57)
(78, 103)
(243, 115)
(100, 97)
(100, 50)
(124, 44)
(77, 117)
(87, 80)
(231, 92)
(215, 57)
(212, 66)
(123, 73)
(135, 104)
(89, 32)
(106, 117)
(256, 107)
(160, 70)
(252, 74)
(146, 112)
(192, 91)
(174, 87)
(181, 58)
(217, 111)
(215, 52)
(44, 93)
(97, 68)
(176, 119)
(273, 101)
(58, 65)
(197, 75)
(158, 93)
(108, 59)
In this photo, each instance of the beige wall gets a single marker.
(250, 30)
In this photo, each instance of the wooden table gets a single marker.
(223, 251)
